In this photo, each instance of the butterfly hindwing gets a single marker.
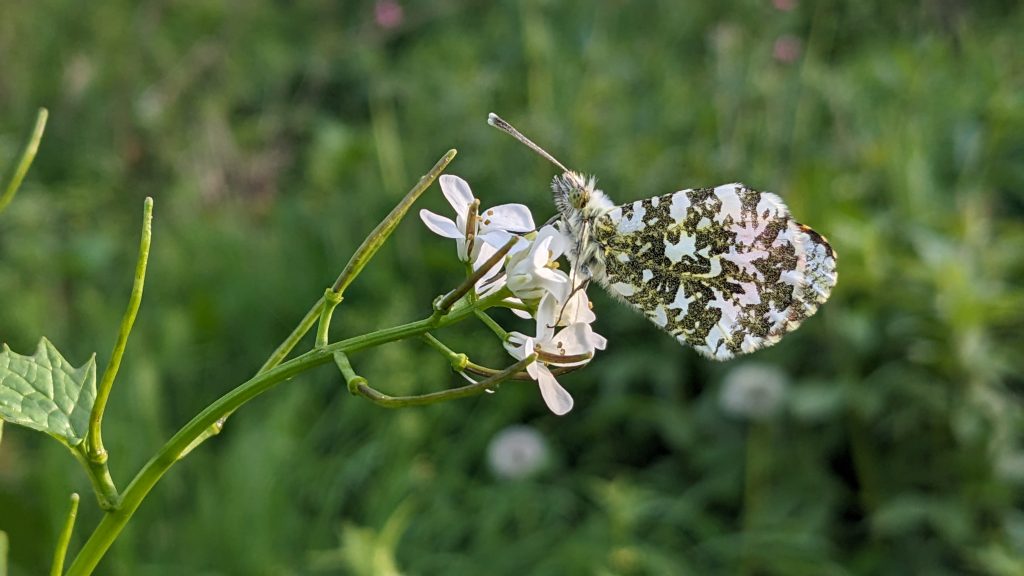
(725, 270)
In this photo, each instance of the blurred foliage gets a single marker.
(274, 136)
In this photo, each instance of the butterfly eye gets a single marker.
(578, 197)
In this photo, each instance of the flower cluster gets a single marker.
(529, 281)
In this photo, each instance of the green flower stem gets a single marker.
(94, 440)
(355, 265)
(485, 371)
(352, 380)
(490, 323)
(461, 362)
(458, 360)
(462, 289)
(331, 300)
(519, 306)
(28, 154)
(376, 239)
(99, 477)
(386, 401)
(115, 520)
(564, 359)
(358, 261)
(289, 343)
(65, 538)
(213, 430)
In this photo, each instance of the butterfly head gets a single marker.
(575, 193)
(572, 191)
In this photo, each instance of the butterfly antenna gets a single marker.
(496, 121)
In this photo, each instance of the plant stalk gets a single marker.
(28, 154)
(65, 538)
(94, 440)
(114, 521)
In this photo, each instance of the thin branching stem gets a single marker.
(185, 439)
(461, 363)
(354, 266)
(95, 451)
(285, 347)
(65, 538)
(455, 295)
(485, 371)
(486, 319)
(99, 477)
(352, 380)
(376, 239)
(381, 399)
(331, 300)
(458, 360)
(322, 309)
(91, 453)
(28, 154)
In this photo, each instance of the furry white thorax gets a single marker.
(580, 204)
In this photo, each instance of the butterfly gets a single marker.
(725, 270)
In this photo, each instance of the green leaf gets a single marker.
(46, 393)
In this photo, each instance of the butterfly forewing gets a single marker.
(725, 270)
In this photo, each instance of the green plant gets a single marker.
(45, 392)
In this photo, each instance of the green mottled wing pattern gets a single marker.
(725, 270)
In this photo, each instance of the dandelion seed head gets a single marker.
(753, 390)
(517, 452)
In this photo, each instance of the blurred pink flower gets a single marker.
(389, 14)
(784, 5)
(787, 49)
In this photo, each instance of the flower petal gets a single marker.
(577, 309)
(440, 225)
(557, 398)
(497, 238)
(546, 311)
(521, 313)
(540, 254)
(522, 246)
(579, 338)
(550, 276)
(558, 243)
(490, 277)
(518, 344)
(457, 191)
(510, 217)
(533, 368)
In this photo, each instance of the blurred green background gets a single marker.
(883, 437)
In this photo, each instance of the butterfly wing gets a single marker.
(725, 270)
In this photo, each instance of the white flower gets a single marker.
(517, 452)
(493, 280)
(753, 390)
(494, 226)
(573, 345)
(531, 273)
(575, 309)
